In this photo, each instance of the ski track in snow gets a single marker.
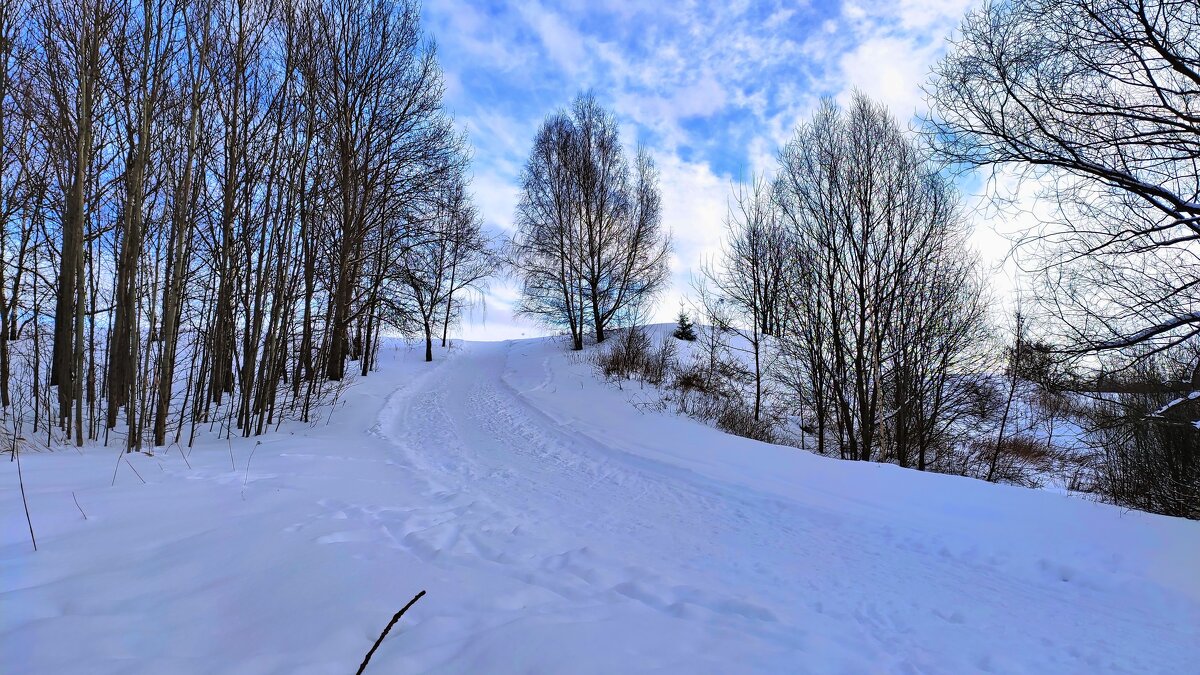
(560, 529)
(503, 476)
(511, 486)
(518, 468)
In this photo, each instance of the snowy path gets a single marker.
(593, 525)
(565, 514)
(557, 528)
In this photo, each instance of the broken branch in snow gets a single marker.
(77, 505)
(385, 631)
(21, 480)
(135, 472)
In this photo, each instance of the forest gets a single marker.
(214, 212)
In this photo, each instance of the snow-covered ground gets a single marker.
(557, 529)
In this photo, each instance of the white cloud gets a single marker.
(496, 198)
(918, 15)
(728, 81)
(563, 44)
(476, 35)
(889, 70)
(892, 46)
(694, 207)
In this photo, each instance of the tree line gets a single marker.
(847, 314)
(212, 208)
(847, 280)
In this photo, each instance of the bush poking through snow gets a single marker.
(693, 377)
(728, 413)
(635, 357)
(1019, 459)
(711, 392)
(1143, 461)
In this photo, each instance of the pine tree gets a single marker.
(685, 329)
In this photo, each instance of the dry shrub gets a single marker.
(634, 355)
(700, 398)
(1147, 461)
(708, 394)
(1017, 460)
(693, 377)
(737, 418)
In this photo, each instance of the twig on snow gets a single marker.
(247, 478)
(21, 479)
(77, 505)
(135, 472)
(385, 631)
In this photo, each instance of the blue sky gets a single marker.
(713, 89)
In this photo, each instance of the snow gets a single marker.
(559, 528)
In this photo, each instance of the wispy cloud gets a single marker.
(713, 89)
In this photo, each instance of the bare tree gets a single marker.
(17, 236)
(453, 257)
(74, 42)
(182, 169)
(1096, 101)
(624, 247)
(747, 284)
(146, 42)
(882, 299)
(546, 249)
(590, 239)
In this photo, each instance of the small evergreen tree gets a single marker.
(684, 329)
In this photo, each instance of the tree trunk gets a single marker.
(177, 254)
(596, 319)
(335, 368)
(65, 307)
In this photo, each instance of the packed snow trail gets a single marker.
(564, 513)
(561, 525)
(591, 522)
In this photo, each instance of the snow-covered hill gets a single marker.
(559, 528)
